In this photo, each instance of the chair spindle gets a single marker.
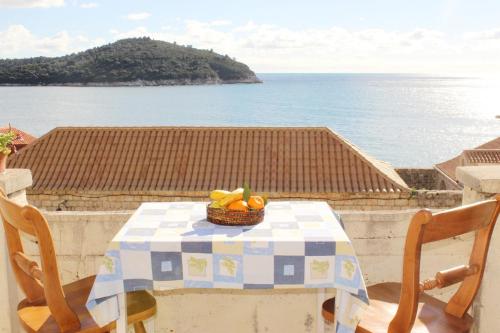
(449, 277)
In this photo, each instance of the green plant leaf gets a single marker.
(247, 192)
(6, 142)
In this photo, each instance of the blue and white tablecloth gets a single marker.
(171, 245)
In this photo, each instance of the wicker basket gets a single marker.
(233, 217)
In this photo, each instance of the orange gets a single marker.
(239, 205)
(256, 202)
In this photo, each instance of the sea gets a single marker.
(406, 120)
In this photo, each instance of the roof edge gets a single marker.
(32, 145)
(392, 177)
(447, 177)
(185, 127)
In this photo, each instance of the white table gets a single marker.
(171, 245)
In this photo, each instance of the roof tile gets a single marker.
(202, 158)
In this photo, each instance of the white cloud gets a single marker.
(266, 46)
(486, 34)
(17, 41)
(31, 3)
(88, 5)
(138, 16)
(219, 23)
(273, 48)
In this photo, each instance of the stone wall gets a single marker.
(95, 201)
(426, 179)
(378, 237)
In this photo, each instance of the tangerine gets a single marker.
(238, 205)
(256, 202)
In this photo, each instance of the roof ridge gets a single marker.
(482, 149)
(394, 178)
(189, 127)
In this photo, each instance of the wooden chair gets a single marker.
(49, 306)
(405, 307)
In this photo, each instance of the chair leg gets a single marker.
(328, 310)
(139, 327)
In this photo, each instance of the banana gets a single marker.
(231, 197)
(217, 195)
(215, 204)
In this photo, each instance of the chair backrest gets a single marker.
(426, 227)
(41, 285)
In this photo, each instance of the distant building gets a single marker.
(25, 138)
(487, 153)
(120, 167)
(427, 179)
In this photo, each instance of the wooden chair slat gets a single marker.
(47, 308)
(459, 221)
(426, 227)
(404, 308)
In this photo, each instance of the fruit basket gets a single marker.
(238, 207)
(233, 217)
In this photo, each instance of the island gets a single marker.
(128, 62)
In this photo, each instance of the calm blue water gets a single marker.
(406, 120)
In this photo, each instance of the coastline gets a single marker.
(141, 83)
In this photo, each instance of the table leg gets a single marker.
(121, 322)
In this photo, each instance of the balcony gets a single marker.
(81, 237)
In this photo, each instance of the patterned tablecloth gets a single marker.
(171, 245)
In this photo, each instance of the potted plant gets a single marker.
(7, 147)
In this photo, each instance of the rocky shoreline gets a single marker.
(141, 83)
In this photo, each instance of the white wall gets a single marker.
(480, 183)
(378, 237)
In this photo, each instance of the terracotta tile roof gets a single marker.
(26, 138)
(481, 156)
(293, 160)
(448, 167)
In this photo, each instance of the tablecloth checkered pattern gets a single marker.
(164, 246)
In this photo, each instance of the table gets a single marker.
(170, 245)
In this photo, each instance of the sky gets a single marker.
(452, 37)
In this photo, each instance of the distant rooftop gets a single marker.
(26, 138)
(481, 156)
(187, 159)
(486, 153)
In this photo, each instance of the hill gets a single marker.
(133, 61)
